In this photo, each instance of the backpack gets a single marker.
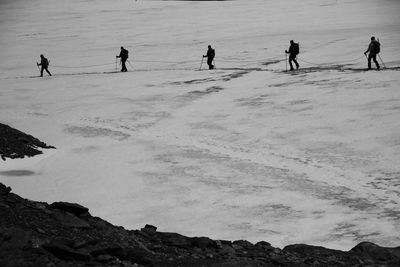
(376, 48)
(124, 54)
(46, 62)
(212, 53)
(296, 49)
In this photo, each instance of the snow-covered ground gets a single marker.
(246, 151)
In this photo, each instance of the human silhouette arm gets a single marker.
(369, 49)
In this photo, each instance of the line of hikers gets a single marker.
(293, 51)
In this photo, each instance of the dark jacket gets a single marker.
(373, 47)
(293, 50)
(123, 54)
(44, 62)
(210, 54)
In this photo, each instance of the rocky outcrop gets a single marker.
(16, 144)
(66, 234)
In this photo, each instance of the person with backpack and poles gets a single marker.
(44, 63)
(210, 57)
(374, 48)
(124, 57)
(293, 52)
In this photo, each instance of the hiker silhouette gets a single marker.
(44, 63)
(210, 57)
(374, 48)
(124, 57)
(293, 52)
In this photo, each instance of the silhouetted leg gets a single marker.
(376, 62)
(123, 66)
(295, 62)
(48, 72)
(290, 63)
(369, 61)
(210, 65)
(41, 71)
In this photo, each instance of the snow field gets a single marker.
(243, 152)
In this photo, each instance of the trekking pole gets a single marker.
(201, 64)
(116, 63)
(383, 63)
(129, 63)
(286, 60)
(37, 65)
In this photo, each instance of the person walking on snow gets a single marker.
(124, 57)
(210, 57)
(293, 52)
(374, 48)
(44, 63)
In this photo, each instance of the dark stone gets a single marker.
(4, 190)
(148, 230)
(311, 250)
(133, 254)
(150, 227)
(36, 234)
(203, 242)
(73, 208)
(264, 246)
(105, 258)
(69, 220)
(16, 144)
(175, 240)
(65, 253)
(242, 244)
(375, 252)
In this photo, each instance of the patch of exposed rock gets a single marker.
(16, 144)
(65, 234)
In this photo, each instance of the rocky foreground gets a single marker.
(65, 234)
(62, 234)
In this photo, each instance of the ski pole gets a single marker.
(37, 65)
(201, 64)
(215, 65)
(116, 63)
(286, 60)
(383, 63)
(129, 63)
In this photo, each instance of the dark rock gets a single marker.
(37, 234)
(175, 240)
(4, 190)
(150, 227)
(308, 250)
(4, 206)
(132, 254)
(375, 252)
(69, 220)
(65, 253)
(264, 246)
(241, 244)
(73, 208)
(148, 230)
(203, 242)
(16, 144)
(105, 258)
